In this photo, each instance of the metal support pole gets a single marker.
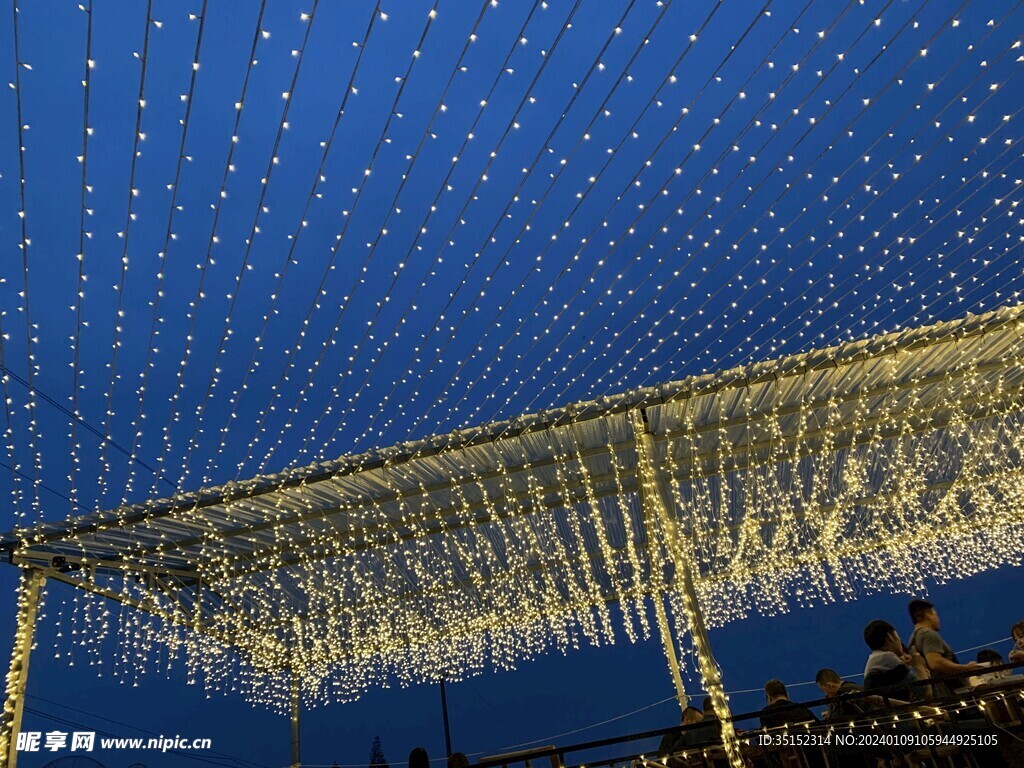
(658, 503)
(29, 588)
(670, 650)
(296, 708)
(444, 714)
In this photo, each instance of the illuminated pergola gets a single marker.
(874, 465)
(241, 237)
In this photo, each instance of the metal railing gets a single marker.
(904, 706)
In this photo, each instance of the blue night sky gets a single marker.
(374, 230)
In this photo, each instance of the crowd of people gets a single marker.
(926, 657)
(927, 665)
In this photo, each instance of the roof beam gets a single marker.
(742, 376)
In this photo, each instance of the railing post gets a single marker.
(658, 505)
(29, 589)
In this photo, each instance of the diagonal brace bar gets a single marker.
(657, 500)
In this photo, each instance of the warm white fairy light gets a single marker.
(644, 355)
(79, 297)
(794, 489)
(444, 188)
(193, 308)
(353, 404)
(419, 579)
(600, 299)
(31, 364)
(154, 331)
(655, 103)
(124, 234)
(316, 182)
(245, 266)
(8, 436)
(893, 253)
(318, 297)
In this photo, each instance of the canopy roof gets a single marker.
(870, 465)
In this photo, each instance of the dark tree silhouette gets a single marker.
(377, 759)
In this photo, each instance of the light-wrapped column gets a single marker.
(657, 501)
(29, 588)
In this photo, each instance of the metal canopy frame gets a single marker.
(660, 467)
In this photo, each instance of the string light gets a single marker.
(826, 174)
(913, 426)
(83, 235)
(31, 365)
(192, 312)
(140, 393)
(899, 243)
(125, 235)
(245, 266)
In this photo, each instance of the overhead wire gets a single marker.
(169, 235)
(329, 340)
(31, 366)
(226, 332)
(130, 217)
(810, 259)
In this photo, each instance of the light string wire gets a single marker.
(552, 49)
(329, 340)
(80, 258)
(601, 263)
(979, 172)
(711, 296)
(257, 35)
(528, 170)
(640, 315)
(491, 237)
(431, 17)
(634, 180)
(898, 253)
(393, 209)
(193, 307)
(1010, 144)
(319, 179)
(940, 246)
(23, 245)
(12, 465)
(526, 99)
(76, 420)
(862, 246)
(169, 235)
(226, 332)
(252, 62)
(130, 217)
(292, 350)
